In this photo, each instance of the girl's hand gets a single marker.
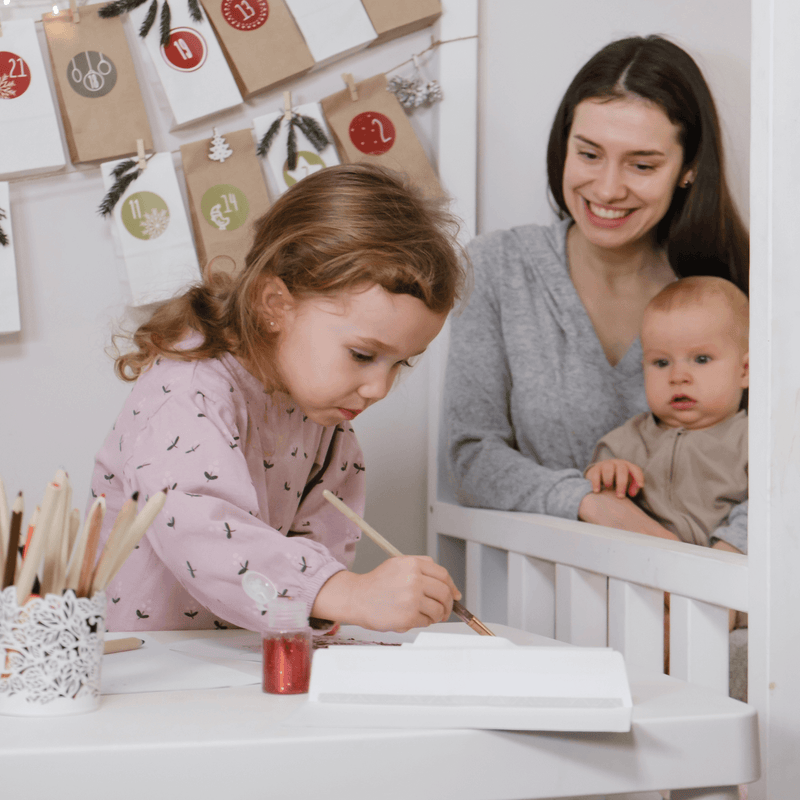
(627, 477)
(402, 593)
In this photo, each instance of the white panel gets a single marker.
(581, 607)
(531, 594)
(698, 642)
(636, 625)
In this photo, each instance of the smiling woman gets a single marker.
(546, 358)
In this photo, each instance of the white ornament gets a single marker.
(219, 148)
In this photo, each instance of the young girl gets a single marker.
(245, 388)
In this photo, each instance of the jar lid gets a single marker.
(286, 612)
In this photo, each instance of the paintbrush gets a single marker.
(459, 610)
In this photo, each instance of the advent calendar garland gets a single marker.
(309, 127)
(118, 7)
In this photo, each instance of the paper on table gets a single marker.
(443, 685)
(154, 668)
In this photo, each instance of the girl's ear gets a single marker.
(276, 300)
(746, 371)
(687, 178)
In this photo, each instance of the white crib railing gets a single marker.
(590, 585)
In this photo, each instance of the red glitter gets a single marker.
(287, 663)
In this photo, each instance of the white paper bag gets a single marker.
(276, 169)
(9, 298)
(332, 28)
(153, 232)
(30, 139)
(192, 68)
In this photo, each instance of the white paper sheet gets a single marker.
(332, 28)
(476, 683)
(9, 297)
(155, 668)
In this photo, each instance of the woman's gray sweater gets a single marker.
(529, 390)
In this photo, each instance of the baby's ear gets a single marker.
(745, 370)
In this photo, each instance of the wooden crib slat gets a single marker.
(531, 594)
(698, 642)
(636, 625)
(581, 607)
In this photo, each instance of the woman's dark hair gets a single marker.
(702, 230)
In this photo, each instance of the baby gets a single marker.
(685, 462)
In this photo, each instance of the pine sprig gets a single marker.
(194, 11)
(312, 131)
(149, 19)
(291, 146)
(3, 235)
(123, 181)
(268, 137)
(166, 18)
(122, 168)
(118, 7)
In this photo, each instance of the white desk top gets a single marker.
(216, 743)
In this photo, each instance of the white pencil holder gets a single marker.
(50, 653)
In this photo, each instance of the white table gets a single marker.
(223, 743)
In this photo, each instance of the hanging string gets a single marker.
(432, 46)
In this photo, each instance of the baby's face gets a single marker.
(695, 367)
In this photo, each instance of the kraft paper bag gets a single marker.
(309, 159)
(332, 29)
(30, 140)
(394, 18)
(153, 232)
(96, 84)
(374, 129)
(227, 195)
(261, 41)
(192, 68)
(9, 297)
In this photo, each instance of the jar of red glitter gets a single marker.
(286, 647)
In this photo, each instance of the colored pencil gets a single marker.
(459, 610)
(4, 522)
(121, 645)
(121, 524)
(94, 522)
(13, 542)
(39, 542)
(129, 539)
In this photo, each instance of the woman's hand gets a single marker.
(605, 508)
(617, 473)
(402, 593)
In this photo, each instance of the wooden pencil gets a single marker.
(4, 522)
(129, 540)
(15, 528)
(94, 520)
(38, 544)
(123, 521)
(58, 549)
(121, 645)
(459, 610)
(89, 553)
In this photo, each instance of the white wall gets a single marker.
(530, 51)
(59, 394)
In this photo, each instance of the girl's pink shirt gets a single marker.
(236, 461)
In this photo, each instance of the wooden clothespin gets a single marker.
(287, 106)
(351, 85)
(141, 162)
(73, 8)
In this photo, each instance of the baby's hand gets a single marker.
(616, 472)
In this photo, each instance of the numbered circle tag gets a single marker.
(307, 163)
(245, 15)
(225, 207)
(372, 133)
(91, 74)
(15, 77)
(186, 51)
(145, 215)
